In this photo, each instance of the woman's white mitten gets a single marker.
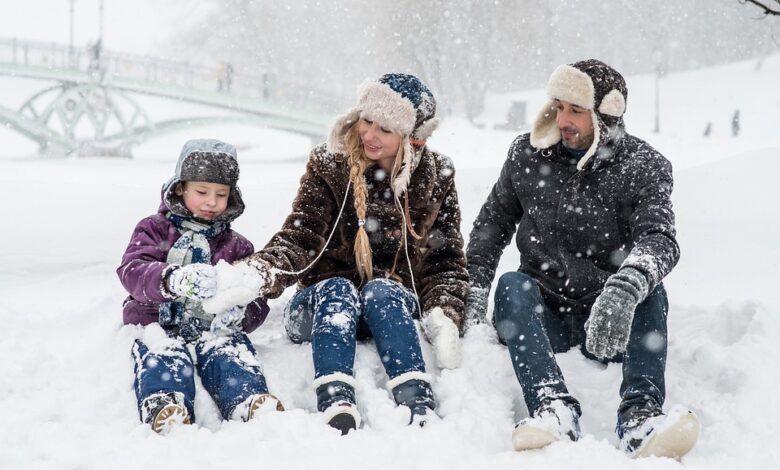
(443, 334)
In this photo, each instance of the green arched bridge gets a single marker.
(87, 105)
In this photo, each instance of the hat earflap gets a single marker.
(545, 132)
(596, 138)
(339, 130)
(411, 159)
(426, 129)
(613, 103)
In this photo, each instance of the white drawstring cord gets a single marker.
(406, 251)
(335, 225)
(327, 242)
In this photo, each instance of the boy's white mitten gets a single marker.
(443, 334)
(197, 281)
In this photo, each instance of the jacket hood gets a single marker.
(211, 161)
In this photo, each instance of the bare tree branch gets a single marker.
(766, 8)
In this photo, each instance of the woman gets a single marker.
(374, 239)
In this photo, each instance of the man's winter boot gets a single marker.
(162, 411)
(413, 390)
(251, 407)
(553, 421)
(336, 400)
(646, 431)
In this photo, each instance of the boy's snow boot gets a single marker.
(163, 411)
(336, 400)
(413, 390)
(251, 407)
(553, 421)
(645, 431)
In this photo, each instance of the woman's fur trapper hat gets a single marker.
(398, 102)
(589, 84)
(209, 161)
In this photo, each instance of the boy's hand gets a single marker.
(196, 281)
(229, 322)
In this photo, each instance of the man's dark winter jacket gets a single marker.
(576, 228)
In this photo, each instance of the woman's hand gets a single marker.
(443, 334)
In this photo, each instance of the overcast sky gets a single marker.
(130, 26)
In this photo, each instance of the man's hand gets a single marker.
(611, 316)
(197, 281)
(476, 306)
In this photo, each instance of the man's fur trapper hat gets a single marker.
(398, 102)
(589, 84)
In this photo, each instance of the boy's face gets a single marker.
(206, 201)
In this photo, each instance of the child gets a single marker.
(167, 269)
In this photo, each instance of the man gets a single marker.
(595, 229)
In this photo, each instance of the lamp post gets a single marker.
(660, 71)
(71, 51)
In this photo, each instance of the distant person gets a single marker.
(735, 124)
(168, 271)
(595, 229)
(373, 242)
(228, 77)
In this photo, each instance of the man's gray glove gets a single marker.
(476, 305)
(612, 314)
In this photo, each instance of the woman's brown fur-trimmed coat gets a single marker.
(438, 259)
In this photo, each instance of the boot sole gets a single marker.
(674, 441)
(260, 401)
(344, 422)
(170, 416)
(528, 438)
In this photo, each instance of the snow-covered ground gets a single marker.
(66, 398)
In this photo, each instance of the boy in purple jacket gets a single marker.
(168, 271)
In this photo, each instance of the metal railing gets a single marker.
(260, 84)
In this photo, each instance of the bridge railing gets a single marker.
(261, 84)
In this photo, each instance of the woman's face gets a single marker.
(379, 144)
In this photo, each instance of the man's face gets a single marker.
(575, 124)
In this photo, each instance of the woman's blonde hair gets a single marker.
(358, 163)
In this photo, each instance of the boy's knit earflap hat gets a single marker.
(589, 84)
(209, 161)
(398, 102)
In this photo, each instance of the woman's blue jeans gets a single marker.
(333, 315)
(534, 332)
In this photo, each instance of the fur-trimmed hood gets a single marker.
(592, 85)
(208, 160)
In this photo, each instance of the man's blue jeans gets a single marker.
(533, 331)
(227, 366)
(333, 315)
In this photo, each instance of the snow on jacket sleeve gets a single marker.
(144, 263)
(493, 229)
(303, 233)
(655, 251)
(444, 276)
